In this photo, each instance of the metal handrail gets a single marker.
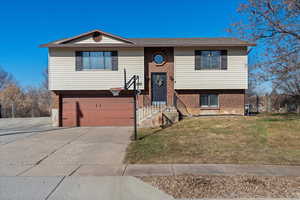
(176, 100)
(134, 80)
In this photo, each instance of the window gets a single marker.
(209, 100)
(97, 60)
(94, 60)
(159, 59)
(210, 59)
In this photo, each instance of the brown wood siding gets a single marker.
(83, 110)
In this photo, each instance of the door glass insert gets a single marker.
(159, 88)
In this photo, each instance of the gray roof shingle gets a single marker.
(152, 42)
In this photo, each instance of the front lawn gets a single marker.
(262, 139)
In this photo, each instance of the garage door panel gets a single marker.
(100, 115)
(98, 111)
(69, 105)
(114, 109)
(108, 122)
(101, 99)
(104, 107)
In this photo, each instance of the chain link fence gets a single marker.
(273, 103)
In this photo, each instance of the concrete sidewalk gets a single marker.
(92, 181)
(73, 188)
(153, 170)
(180, 169)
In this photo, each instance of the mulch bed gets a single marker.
(192, 186)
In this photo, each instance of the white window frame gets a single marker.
(209, 106)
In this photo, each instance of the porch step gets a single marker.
(154, 117)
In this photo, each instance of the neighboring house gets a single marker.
(197, 76)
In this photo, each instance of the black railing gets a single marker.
(133, 81)
(180, 105)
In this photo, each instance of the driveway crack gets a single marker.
(26, 170)
(51, 153)
(52, 191)
(125, 168)
(74, 170)
(45, 157)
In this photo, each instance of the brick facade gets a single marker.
(54, 100)
(230, 101)
(167, 67)
(56, 109)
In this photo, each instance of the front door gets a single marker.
(159, 88)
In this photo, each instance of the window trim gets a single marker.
(162, 54)
(210, 106)
(223, 52)
(220, 60)
(95, 69)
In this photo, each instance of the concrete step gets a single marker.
(163, 118)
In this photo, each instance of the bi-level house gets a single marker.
(196, 76)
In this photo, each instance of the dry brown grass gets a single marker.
(263, 139)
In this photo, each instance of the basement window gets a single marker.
(209, 100)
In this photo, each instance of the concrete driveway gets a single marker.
(79, 151)
(12, 129)
(38, 161)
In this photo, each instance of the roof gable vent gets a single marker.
(97, 37)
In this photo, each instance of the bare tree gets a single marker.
(13, 101)
(39, 98)
(17, 101)
(269, 20)
(46, 79)
(275, 26)
(45, 92)
(5, 78)
(32, 101)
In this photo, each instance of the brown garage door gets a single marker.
(97, 111)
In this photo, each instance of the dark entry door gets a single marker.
(159, 88)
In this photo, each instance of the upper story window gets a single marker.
(210, 59)
(96, 60)
(209, 100)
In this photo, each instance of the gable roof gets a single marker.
(149, 42)
(66, 40)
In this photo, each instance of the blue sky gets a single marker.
(27, 24)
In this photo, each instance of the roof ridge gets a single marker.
(65, 40)
(180, 41)
(189, 38)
